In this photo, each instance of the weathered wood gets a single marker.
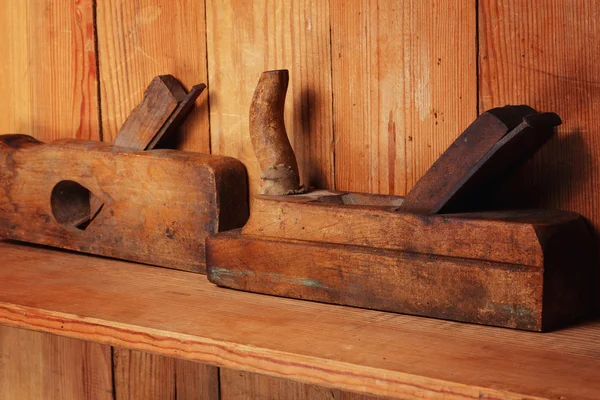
(269, 138)
(487, 151)
(531, 60)
(243, 40)
(461, 288)
(49, 84)
(317, 217)
(36, 365)
(154, 207)
(518, 269)
(241, 385)
(141, 375)
(170, 313)
(196, 381)
(495, 268)
(484, 155)
(150, 376)
(178, 117)
(140, 40)
(163, 108)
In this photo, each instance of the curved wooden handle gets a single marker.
(269, 139)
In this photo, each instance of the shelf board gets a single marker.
(181, 314)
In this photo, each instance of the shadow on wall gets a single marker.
(306, 109)
(562, 175)
(550, 179)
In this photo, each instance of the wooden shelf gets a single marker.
(182, 315)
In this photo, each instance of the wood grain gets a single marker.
(247, 38)
(154, 207)
(49, 81)
(478, 160)
(452, 288)
(364, 224)
(241, 385)
(161, 98)
(268, 135)
(48, 69)
(150, 376)
(544, 53)
(161, 311)
(196, 381)
(141, 39)
(404, 84)
(36, 365)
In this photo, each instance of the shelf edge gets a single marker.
(312, 370)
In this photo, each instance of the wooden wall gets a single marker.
(379, 88)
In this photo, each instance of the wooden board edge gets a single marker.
(230, 258)
(305, 369)
(309, 214)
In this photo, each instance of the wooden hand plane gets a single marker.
(425, 254)
(127, 200)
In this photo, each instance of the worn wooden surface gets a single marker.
(160, 311)
(242, 385)
(404, 87)
(153, 207)
(554, 69)
(244, 39)
(279, 168)
(145, 122)
(361, 223)
(296, 247)
(540, 53)
(549, 291)
(150, 376)
(36, 365)
(140, 40)
(48, 78)
(482, 157)
(175, 121)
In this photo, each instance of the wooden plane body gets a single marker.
(153, 207)
(427, 253)
(528, 270)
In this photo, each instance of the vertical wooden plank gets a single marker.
(37, 365)
(245, 38)
(48, 69)
(404, 84)
(49, 83)
(239, 385)
(544, 53)
(141, 375)
(195, 381)
(138, 40)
